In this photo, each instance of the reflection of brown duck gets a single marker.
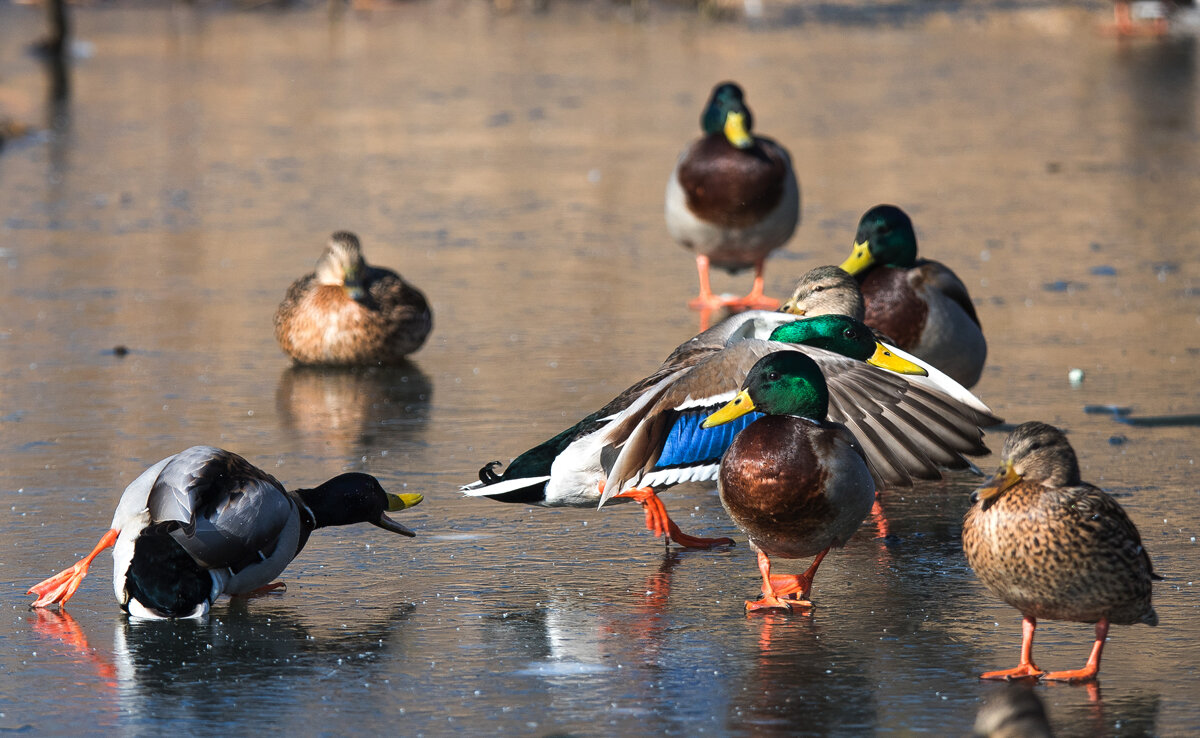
(340, 412)
(1055, 547)
(1013, 712)
(348, 313)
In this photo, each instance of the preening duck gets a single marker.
(349, 313)
(1055, 547)
(796, 483)
(206, 522)
(732, 197)
(922, 305)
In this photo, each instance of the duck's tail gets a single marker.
(527, 490)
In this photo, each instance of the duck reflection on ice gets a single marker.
(159, 668)
(351, 412)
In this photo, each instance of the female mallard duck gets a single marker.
(920, 303)
(644, 441)
(826, 290)
(206, 522)
(1055, 547)
(796, 483)
(732, 197)
(349, 313)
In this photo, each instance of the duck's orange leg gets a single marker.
(266, 589)
(756, 300)
(784, 591)
(1092, 668)
(1026, 669)
(60, 587)
(706, 300)
(660, 523)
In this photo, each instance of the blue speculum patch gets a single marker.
(688, 443)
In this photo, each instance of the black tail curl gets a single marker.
(487, 476)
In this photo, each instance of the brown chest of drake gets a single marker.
(1067, 553)
(893, 305)
(796, 487)
(731, 187)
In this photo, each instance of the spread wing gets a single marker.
(907, 429)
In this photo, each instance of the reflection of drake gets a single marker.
(345, 412)
(206, 522)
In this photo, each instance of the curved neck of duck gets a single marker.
(793, 396)
(344, 500)
(840, 334)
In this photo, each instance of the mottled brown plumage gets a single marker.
(1055, 547)
(348, 313)
(826, 290)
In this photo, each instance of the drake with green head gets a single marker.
(796, 483)
(732, 198)
(920, 303)
(648, 438)
(910, 425)
(349, 313)
(1055, 547)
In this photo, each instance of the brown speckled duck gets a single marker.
(797, 484)
(826, 290)
(732, 198)
(919, 303)
(1055, 547)
(349, 313)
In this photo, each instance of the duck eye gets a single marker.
(773, 376)
(818, 288)
(850, 333)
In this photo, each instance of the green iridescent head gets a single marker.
(844, 335)
(727, 113)
(782, 383)
(885, 236)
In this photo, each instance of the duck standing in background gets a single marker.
(919, 303)
(732, 198)
(206, 522)
(349, 313)
(1055, 547)
(797, 484)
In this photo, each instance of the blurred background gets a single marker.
(168, 169)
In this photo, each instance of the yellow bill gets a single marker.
(735, 131)
(885, 359)
(860, 258)
(402, 502)
(996, 486)
(734, 409)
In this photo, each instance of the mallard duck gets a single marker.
(919, 303)
(643, 440)
(206, 522)
(349, 313)
(796, 483)
(910, 426)
(732, 198)
(826, 290)
(1055, 547)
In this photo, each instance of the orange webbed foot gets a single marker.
(753, 302)
(660, 523)
(774, 602)
(1086, 674)
(1021, 671)
(61, 587)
